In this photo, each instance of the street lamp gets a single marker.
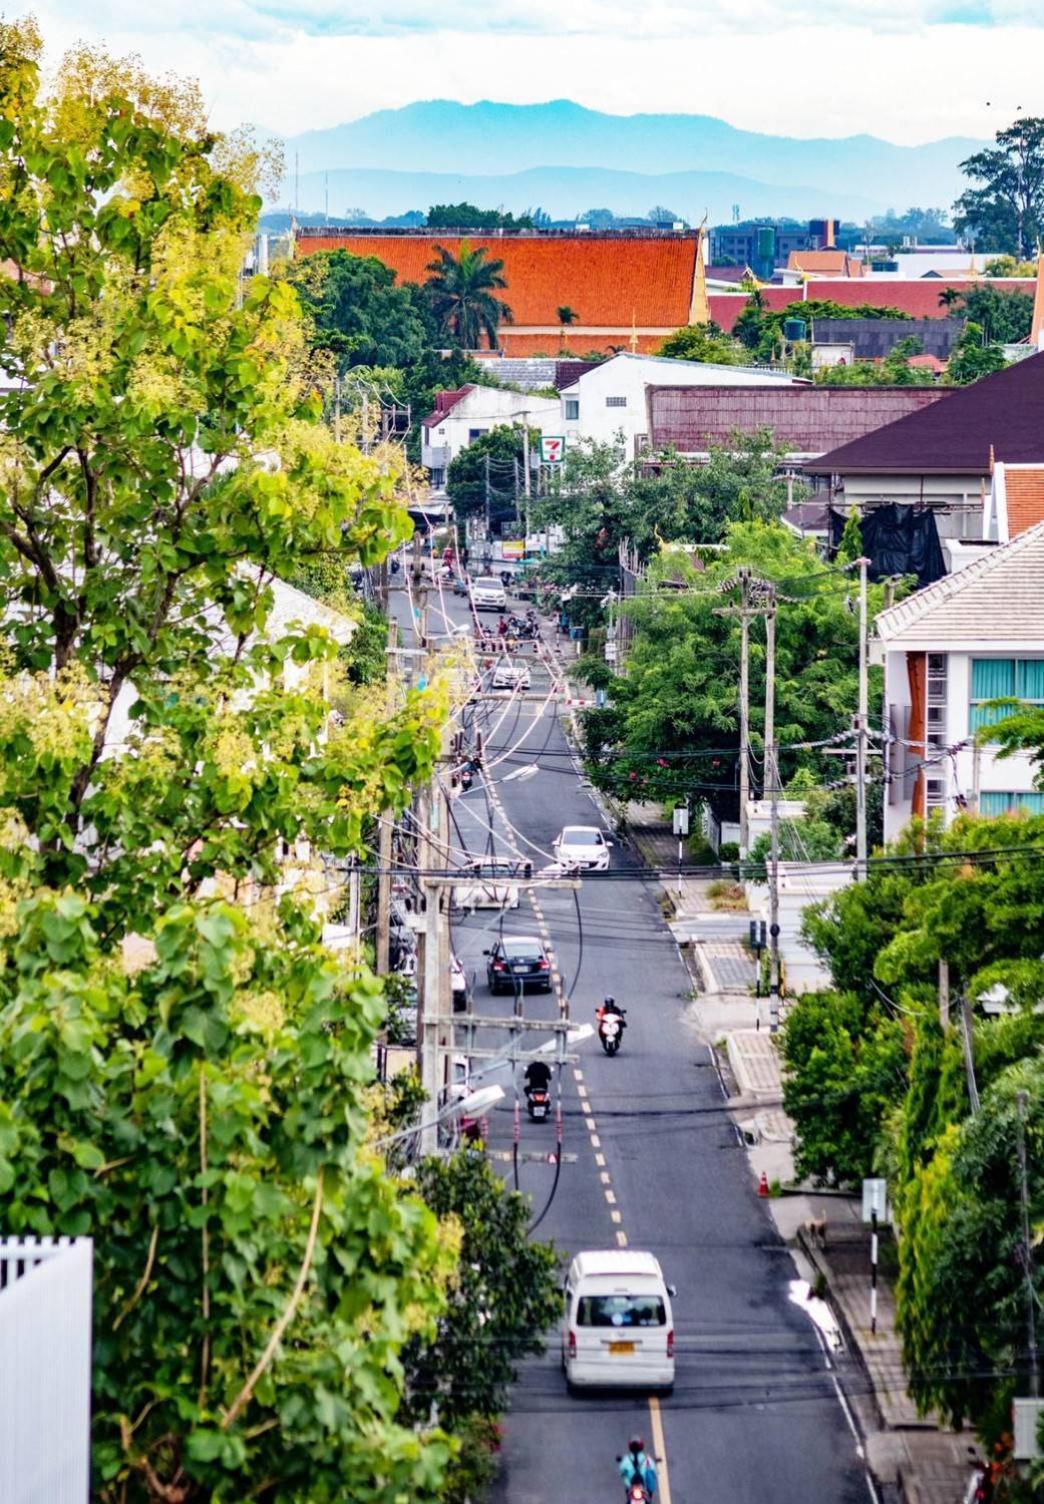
(473, 1105)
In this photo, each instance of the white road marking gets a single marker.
(621, 1240)
(615, 1217)
(600, 1160)
(596, 1142)
(609, 1196)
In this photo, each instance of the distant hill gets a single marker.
(502, 140)
(566, 191)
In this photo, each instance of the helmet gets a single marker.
(610, 1001)
(636, 1444)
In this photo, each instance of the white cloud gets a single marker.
(760, 65)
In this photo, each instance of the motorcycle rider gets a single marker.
(537, 1077)
(610, 1005)
(636, 1466)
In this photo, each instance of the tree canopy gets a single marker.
(1004, 211)
(703, 342)
(461, 291)
(357, 311)
(465, 216)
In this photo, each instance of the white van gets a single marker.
(618, 1327)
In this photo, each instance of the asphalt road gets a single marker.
(755, 1414)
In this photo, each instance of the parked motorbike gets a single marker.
(610, 1029)
(538, 1103)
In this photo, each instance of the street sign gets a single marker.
(875, 1201)
(552, 449)
(681, 820)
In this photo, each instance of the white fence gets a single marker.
(45, 1370)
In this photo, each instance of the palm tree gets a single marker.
(566, 316)
(950, 296)
(461, 293)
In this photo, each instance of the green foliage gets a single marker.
(845, 1070)
(465, 216)
(1004, 315)
(183, 1068)
(678, 708)
(358, 313)
(1005, 211)
(461, 293)
(488, 472)
(703, 342)
(506, 1295)
(761, 329)
(894, 370)
(972, 358)
(1007, 266)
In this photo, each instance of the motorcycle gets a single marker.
(538, 1103)
(637, 1493)
(610, 1029)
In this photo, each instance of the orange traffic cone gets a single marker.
(763, 1186)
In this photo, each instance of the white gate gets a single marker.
(45, 1370)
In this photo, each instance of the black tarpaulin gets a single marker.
(896, 540)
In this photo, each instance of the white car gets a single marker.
(511, 676)
(488, 595)
(582, 847)
(618, 1326)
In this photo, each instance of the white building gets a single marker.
(464, 415)
(972, 637)
(611, 398)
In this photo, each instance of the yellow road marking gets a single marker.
(590, 1123)
(600, 1161)
(605, 1175)
(660, 1447)
(610, 1197)
(621, 1240)
(578, 1074)
(581, 1092)
(585, 1106)
(615, 1217)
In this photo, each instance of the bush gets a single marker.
(728, 852)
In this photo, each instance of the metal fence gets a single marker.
(45, 1370)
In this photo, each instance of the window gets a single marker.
(620, 1310)
(994, 803)
(437, 478)
(572, 409)
(476, 433)
(1003, 679)
(616, 401)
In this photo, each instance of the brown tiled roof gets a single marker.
(827, 263)
(611, 281)
(611, 341)
(1024, 493)
(1002, 414)
(804, 419)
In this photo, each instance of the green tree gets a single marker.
(182, 1065)
(484, 478)
(973, 357)
(1008, 266)
(1005, 211)
(465, 216)
(894, 370)
(1004, 314)
(357, 311)
(703, 342)
(677, 712)
(761, 329)
(461, 292)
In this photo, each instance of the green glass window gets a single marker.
(1001, 679)
(1002, 803)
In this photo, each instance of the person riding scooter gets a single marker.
(537, 1082)
(611, 1024)
(637, 1468)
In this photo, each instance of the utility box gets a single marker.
(681, 820)
(1025, 1416)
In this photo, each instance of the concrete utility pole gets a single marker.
(744, 766)
(384, 831)
(433, 963)
(862, 727)
(772, 778)
(1027, 1253)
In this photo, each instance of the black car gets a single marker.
(518, 961)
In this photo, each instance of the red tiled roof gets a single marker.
(827, 263)
(611, 281)
(1024, 493)
(917, 297)
(803, 419)
(445, 402)
(1000, 416)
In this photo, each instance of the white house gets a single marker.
(972, 637)
(463, 415)
(611, 397)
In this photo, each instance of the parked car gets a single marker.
(583, 847)
(509, 675)
(618, 1326)
(518, 961)
(488, 594)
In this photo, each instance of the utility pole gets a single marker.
(944, 995)
(1027, 1254)
(744, 760)
(489, 529)
(772, 776)
(337, 409)
(384, 834)
(862, 728)
(432, 968)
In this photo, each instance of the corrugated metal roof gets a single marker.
(804, 419)
(996, 599)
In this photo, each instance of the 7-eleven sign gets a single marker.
(552, 449)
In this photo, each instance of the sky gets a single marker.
(906, 70)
